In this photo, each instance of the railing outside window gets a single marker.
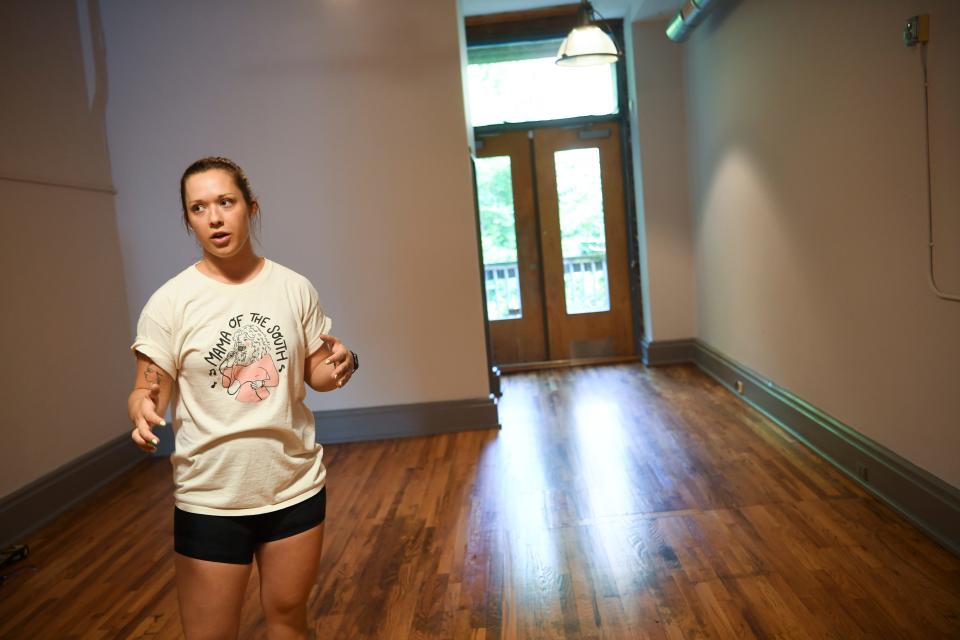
(585, 278)
(503, 290)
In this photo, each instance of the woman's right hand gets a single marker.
(144, 416)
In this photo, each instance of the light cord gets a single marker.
(926, 129)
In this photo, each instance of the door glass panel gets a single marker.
(498, 234)
(582, 234)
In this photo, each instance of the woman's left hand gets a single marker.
(341, 358)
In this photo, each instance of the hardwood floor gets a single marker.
(616, 502)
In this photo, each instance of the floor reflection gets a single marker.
(533, 564)
(568, 489)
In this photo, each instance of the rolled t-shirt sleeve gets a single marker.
(155, 335)
(315, 321)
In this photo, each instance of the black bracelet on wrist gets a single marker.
(356, 361)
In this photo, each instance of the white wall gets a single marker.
(65, 314)
(348, 117)
(659, 147)
(807, 165)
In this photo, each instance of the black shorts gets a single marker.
(233, 539)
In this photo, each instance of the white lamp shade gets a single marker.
(587, 45)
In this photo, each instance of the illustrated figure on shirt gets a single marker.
(248, 369)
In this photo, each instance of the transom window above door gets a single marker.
(519, 82)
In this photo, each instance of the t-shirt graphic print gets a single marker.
(244, 359)
(244, 438)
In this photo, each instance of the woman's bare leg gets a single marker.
(211, 595)
(288, 570)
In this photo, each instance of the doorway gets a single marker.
(558, 233)
(555, 244)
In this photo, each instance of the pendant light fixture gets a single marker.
(587, 44)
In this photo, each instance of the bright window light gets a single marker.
(522, 83)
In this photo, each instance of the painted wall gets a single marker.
(64, 297)
(659, 147)
(348, 117)
(809, 201)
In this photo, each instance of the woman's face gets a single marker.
(217, 213)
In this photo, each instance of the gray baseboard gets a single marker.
(922, 498)
(405, 420)
(663, 352)
(29, 508)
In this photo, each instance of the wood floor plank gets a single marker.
(617, 502)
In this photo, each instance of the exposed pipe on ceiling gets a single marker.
(689, 16)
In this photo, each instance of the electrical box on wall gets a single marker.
(916, 30)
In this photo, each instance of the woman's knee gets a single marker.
(283, 607)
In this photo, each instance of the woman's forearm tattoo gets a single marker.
(153, 375)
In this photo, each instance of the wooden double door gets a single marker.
(554, 239)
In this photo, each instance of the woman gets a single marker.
(231, 340)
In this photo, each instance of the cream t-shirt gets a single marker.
(244, 438)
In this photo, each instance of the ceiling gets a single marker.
(630, 9)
